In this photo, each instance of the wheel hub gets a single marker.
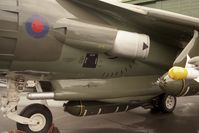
(41, 122)
(170, 102)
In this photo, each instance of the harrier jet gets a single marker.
(100, 56)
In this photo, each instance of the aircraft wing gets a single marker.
(157, 14)
(171, 28)
(142, 11)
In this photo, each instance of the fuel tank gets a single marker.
(86, 108)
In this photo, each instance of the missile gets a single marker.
(179, 81)
(180, 73)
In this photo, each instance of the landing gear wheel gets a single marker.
(165, 103)
(40, 113)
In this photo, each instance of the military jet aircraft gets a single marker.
(100, 56)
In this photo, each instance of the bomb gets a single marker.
(86, 108)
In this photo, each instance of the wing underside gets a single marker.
(162, 26)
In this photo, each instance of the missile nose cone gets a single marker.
(178, 73)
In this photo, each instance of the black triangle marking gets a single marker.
(145, 46)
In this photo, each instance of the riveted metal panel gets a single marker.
(8, 20)
(37, 46)
(8, 31)
(9, 2)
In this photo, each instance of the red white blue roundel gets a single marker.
(37, 26)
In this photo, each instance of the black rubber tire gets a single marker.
(162, 104)
(155, 110)
(34, 109)
(55, 130)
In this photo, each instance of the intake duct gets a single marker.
(102, 39)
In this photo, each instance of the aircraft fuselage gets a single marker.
(29, 45)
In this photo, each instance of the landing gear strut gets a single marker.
(164, 103)
(9, 102)
(35, 118)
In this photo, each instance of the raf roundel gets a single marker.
(37, 26)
